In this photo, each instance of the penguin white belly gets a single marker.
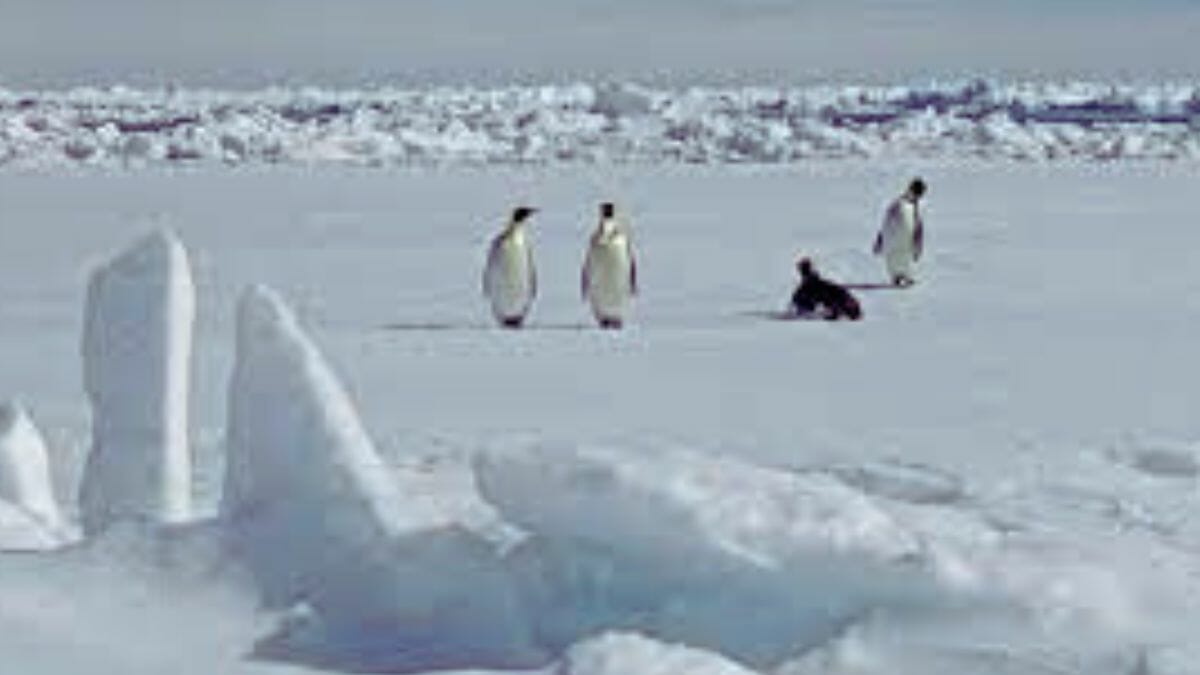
(898, 249)
(510, 279)
(898, 255)
(609, 279)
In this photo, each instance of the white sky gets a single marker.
(343, 42)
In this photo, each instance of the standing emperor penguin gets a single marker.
(509, 277)
(609, 278)
(901, 238)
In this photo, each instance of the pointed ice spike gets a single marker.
(24, 466)
(318, 517)
(305, 491)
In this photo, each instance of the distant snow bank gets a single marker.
(586, 123)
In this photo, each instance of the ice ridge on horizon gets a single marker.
(598, 123)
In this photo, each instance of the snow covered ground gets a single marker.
(994, 472)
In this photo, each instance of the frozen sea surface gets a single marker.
(1024, 415)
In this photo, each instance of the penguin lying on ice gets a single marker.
(819, 297)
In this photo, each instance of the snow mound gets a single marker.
(619, 99)
(1029, 613)
(633, 654)
(24, 468)
(137, 344)
(313, 509)
(904, 482)
(608, 122)
(681, 506)
(753, 563)
(981, 644)
(1162, 460)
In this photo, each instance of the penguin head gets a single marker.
(607, 210)
(916, 189)
(805, 267)
(522, 213)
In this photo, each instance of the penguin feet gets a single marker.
(513, 322)
(609, 323)
(902, 281)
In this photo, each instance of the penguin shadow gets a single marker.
(875, 286)
(783, 315)
(479, 326)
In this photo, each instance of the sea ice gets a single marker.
(755, 563)
(320, 519)
(137, 343)
(610, 121)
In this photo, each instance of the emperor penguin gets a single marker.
(901, 238)
(609, 278)
(509, 277)
(818, 296)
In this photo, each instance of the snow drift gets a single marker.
(20, 530)
(606, 122)
(137, 599)
(137, 343)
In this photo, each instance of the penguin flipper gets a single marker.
(633, 279)
(533, 279)
(918, 239)
(489, 265)
(877, 248)
(585, 276)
